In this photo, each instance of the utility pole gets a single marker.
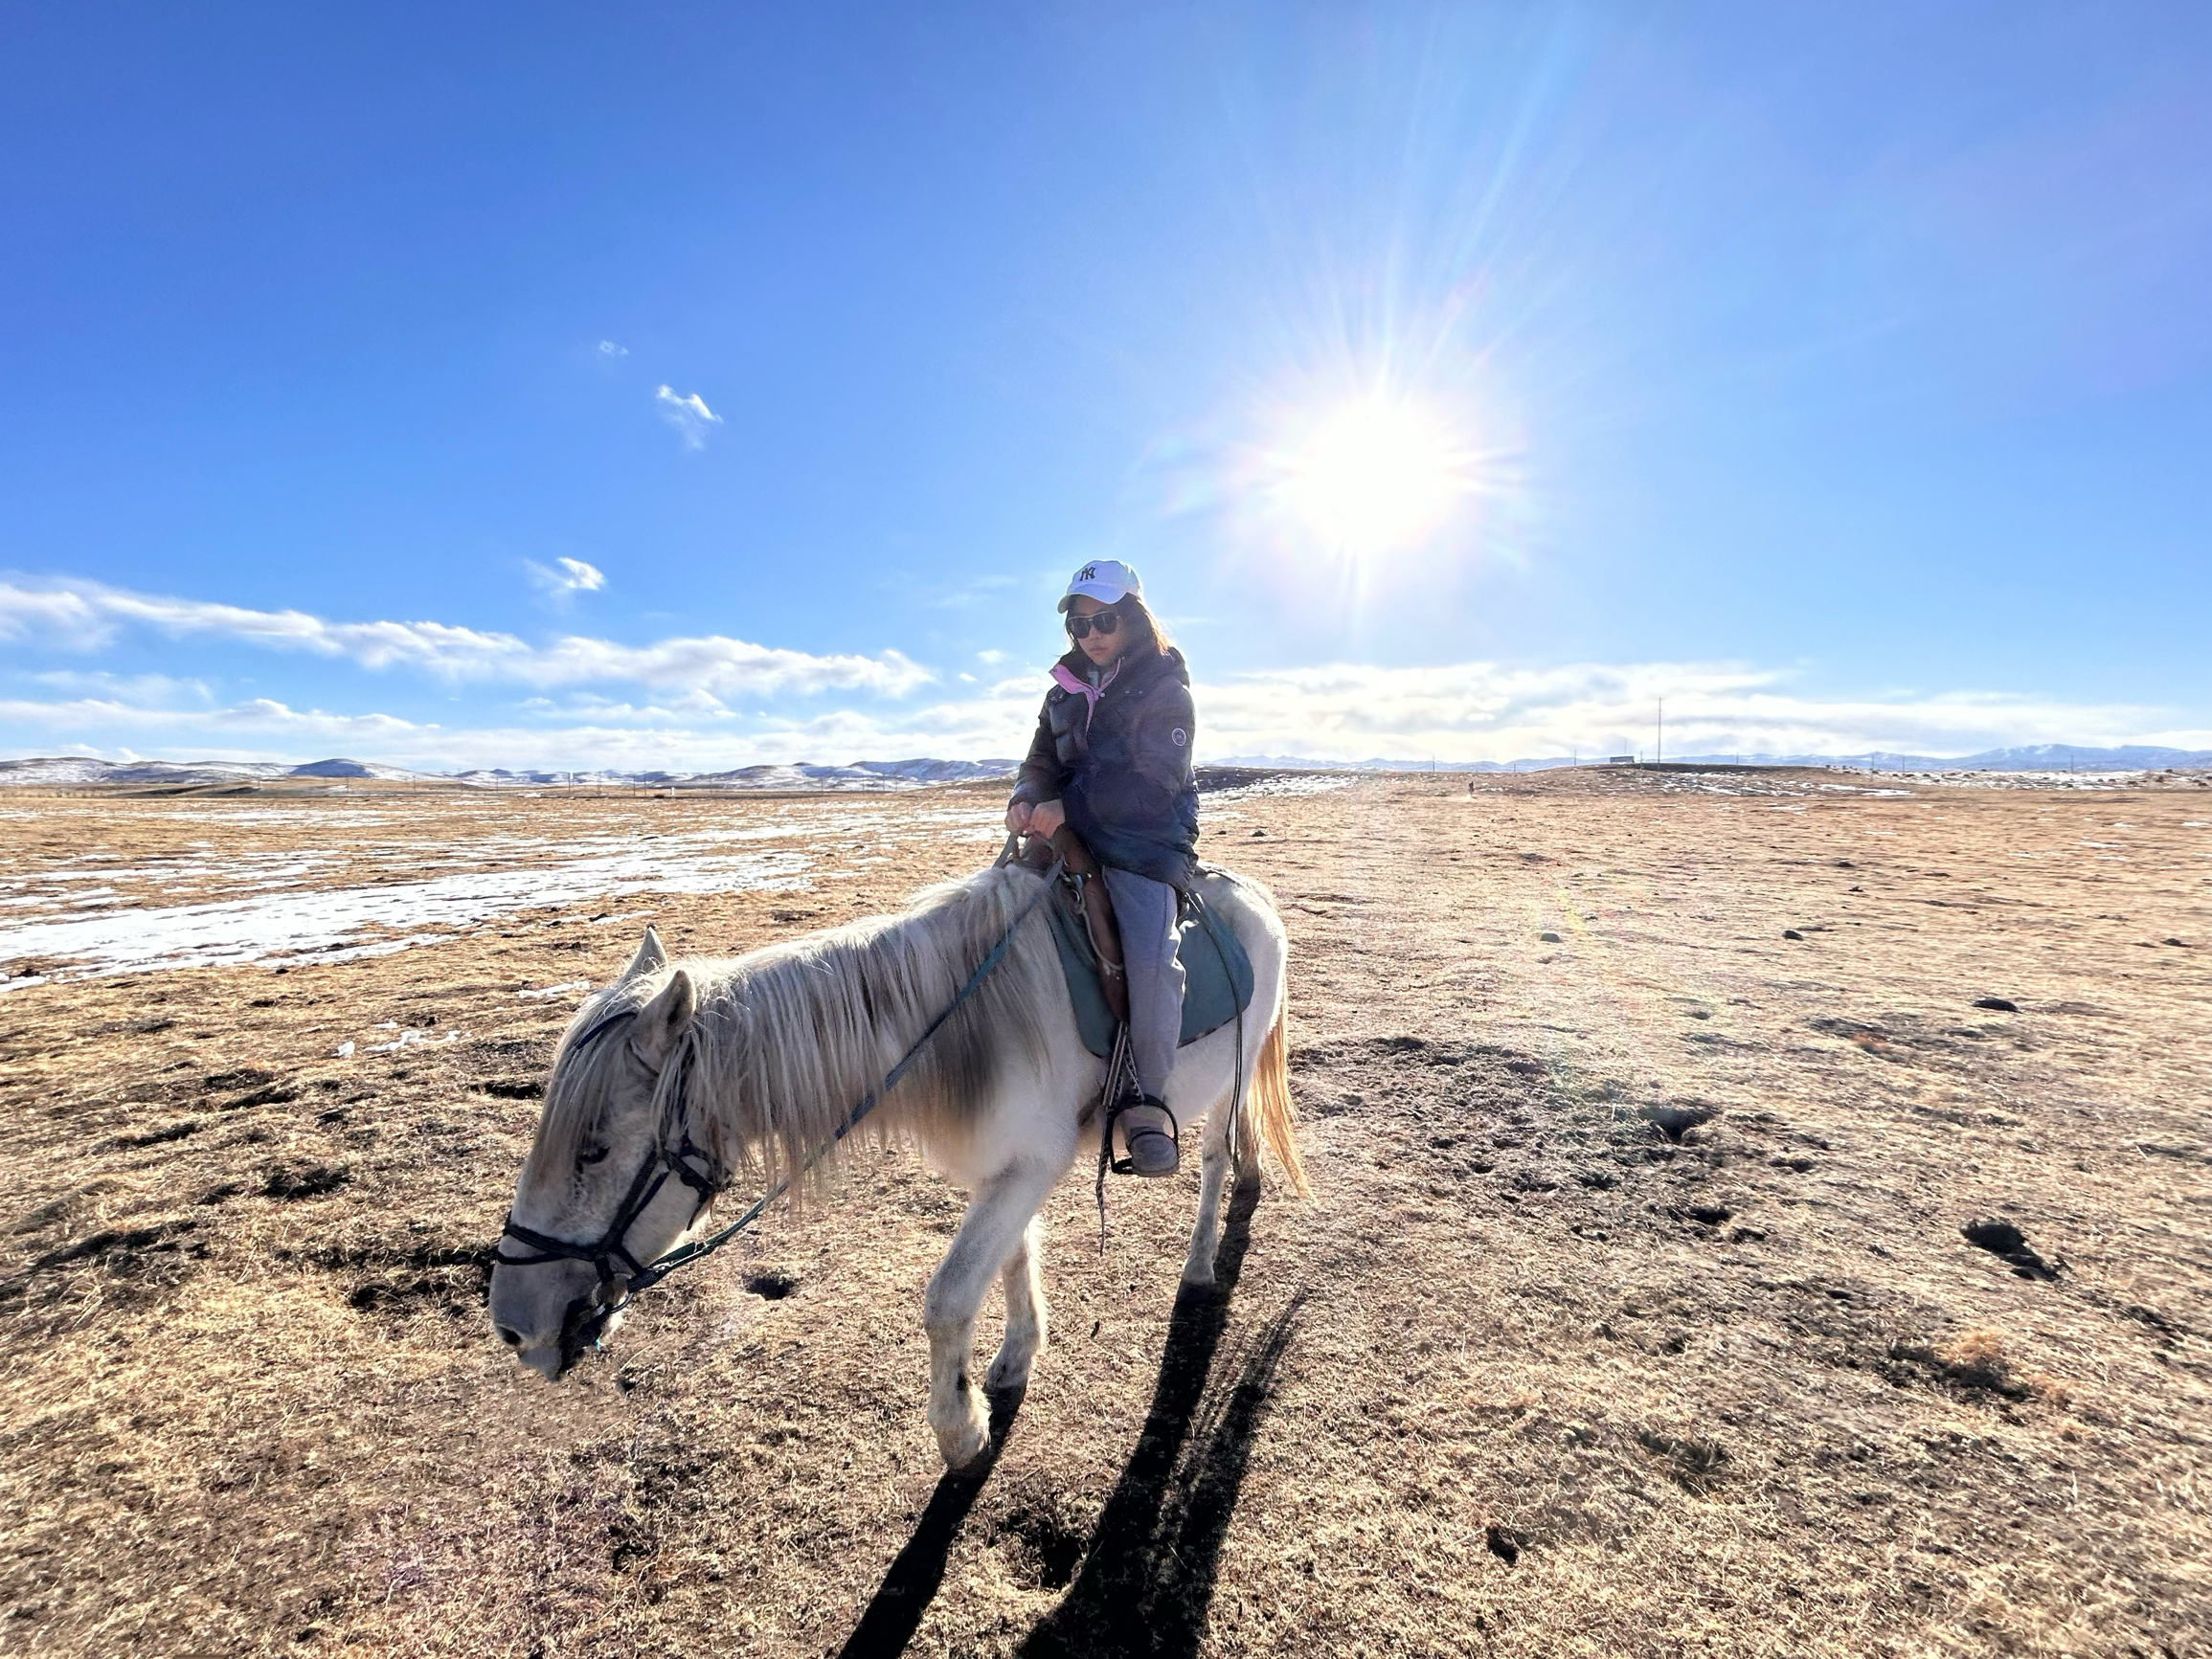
(1663, 734)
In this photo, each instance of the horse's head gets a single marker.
(596, 1200)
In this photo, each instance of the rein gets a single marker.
(586, 1319)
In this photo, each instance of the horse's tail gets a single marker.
(1270, 1119)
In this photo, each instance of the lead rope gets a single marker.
(1114, 1098)
(1108, 1111)
(662, 1266)
(684, 1253)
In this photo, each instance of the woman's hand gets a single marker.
(1045, 819)
(1017, 816)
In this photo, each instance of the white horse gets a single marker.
(681, 1078)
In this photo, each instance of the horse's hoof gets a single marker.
(1199, 1278)
(964, 1446)
(1007, 1373)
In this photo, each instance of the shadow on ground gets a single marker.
(1148, 1570)
(896, 1611)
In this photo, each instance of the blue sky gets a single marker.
(1842, 375)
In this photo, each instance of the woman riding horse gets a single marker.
(1112, 760)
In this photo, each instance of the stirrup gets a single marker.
(1127, 1166)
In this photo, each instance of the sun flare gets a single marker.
(1374, 477)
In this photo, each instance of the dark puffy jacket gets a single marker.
(1122, 771)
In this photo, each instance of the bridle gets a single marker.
(621, 1274)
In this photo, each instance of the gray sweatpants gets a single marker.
(1145, 909)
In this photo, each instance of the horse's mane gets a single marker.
(788, 1039)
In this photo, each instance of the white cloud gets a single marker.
(1471, 711)
(707, 702)
(608, 349)
(135, 688)
(565, 578)
(687, 414)
(84, 615)
(1482, 711)
(56, 617)
(256, 714)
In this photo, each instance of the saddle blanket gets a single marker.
(1216, 971)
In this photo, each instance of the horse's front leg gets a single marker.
(1022, 1279)
(996, 1223)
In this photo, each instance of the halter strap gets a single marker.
(587, 1319)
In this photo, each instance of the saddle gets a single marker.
(1217, 980)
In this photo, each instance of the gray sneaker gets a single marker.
(1148, 1131)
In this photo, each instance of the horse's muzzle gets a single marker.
(583, 1327)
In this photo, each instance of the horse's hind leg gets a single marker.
(1212, 1169)
(1022, 1279)
(996, 1223)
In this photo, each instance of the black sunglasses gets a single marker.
(1106, 622)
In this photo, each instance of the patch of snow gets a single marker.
(1296, 783)
(327, 926)
(413, 1038)
(555, 990)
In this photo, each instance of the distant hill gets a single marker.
(68, 771)
(860, 775)
(2042, 757)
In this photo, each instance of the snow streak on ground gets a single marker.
(95, 913)
(1293, 783)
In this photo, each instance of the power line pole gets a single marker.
(1663, 734)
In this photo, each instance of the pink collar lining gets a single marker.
(1068, 678)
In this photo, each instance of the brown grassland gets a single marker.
(1632, 1315)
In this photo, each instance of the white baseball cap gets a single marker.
(1106, 581)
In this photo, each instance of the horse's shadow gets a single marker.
(1147, 1577)
(896, 1611)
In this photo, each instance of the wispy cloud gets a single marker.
(687, 414)
(260, 716)
(85, 616)
(608, 349)
(565, 578)
(1485, 711)
(1466, 712)
(56, 617)
(137, 688)
(967, 595)
(709, 701)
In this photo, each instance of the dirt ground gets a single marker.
(1633, 1314)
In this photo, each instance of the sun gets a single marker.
(1374, 476)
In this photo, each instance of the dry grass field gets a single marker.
(1633, 1314)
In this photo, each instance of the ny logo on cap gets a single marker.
(1088, 573)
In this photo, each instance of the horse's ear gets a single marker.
(650, 958)
(663, 1020)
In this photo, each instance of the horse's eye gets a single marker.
(592, 1154)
